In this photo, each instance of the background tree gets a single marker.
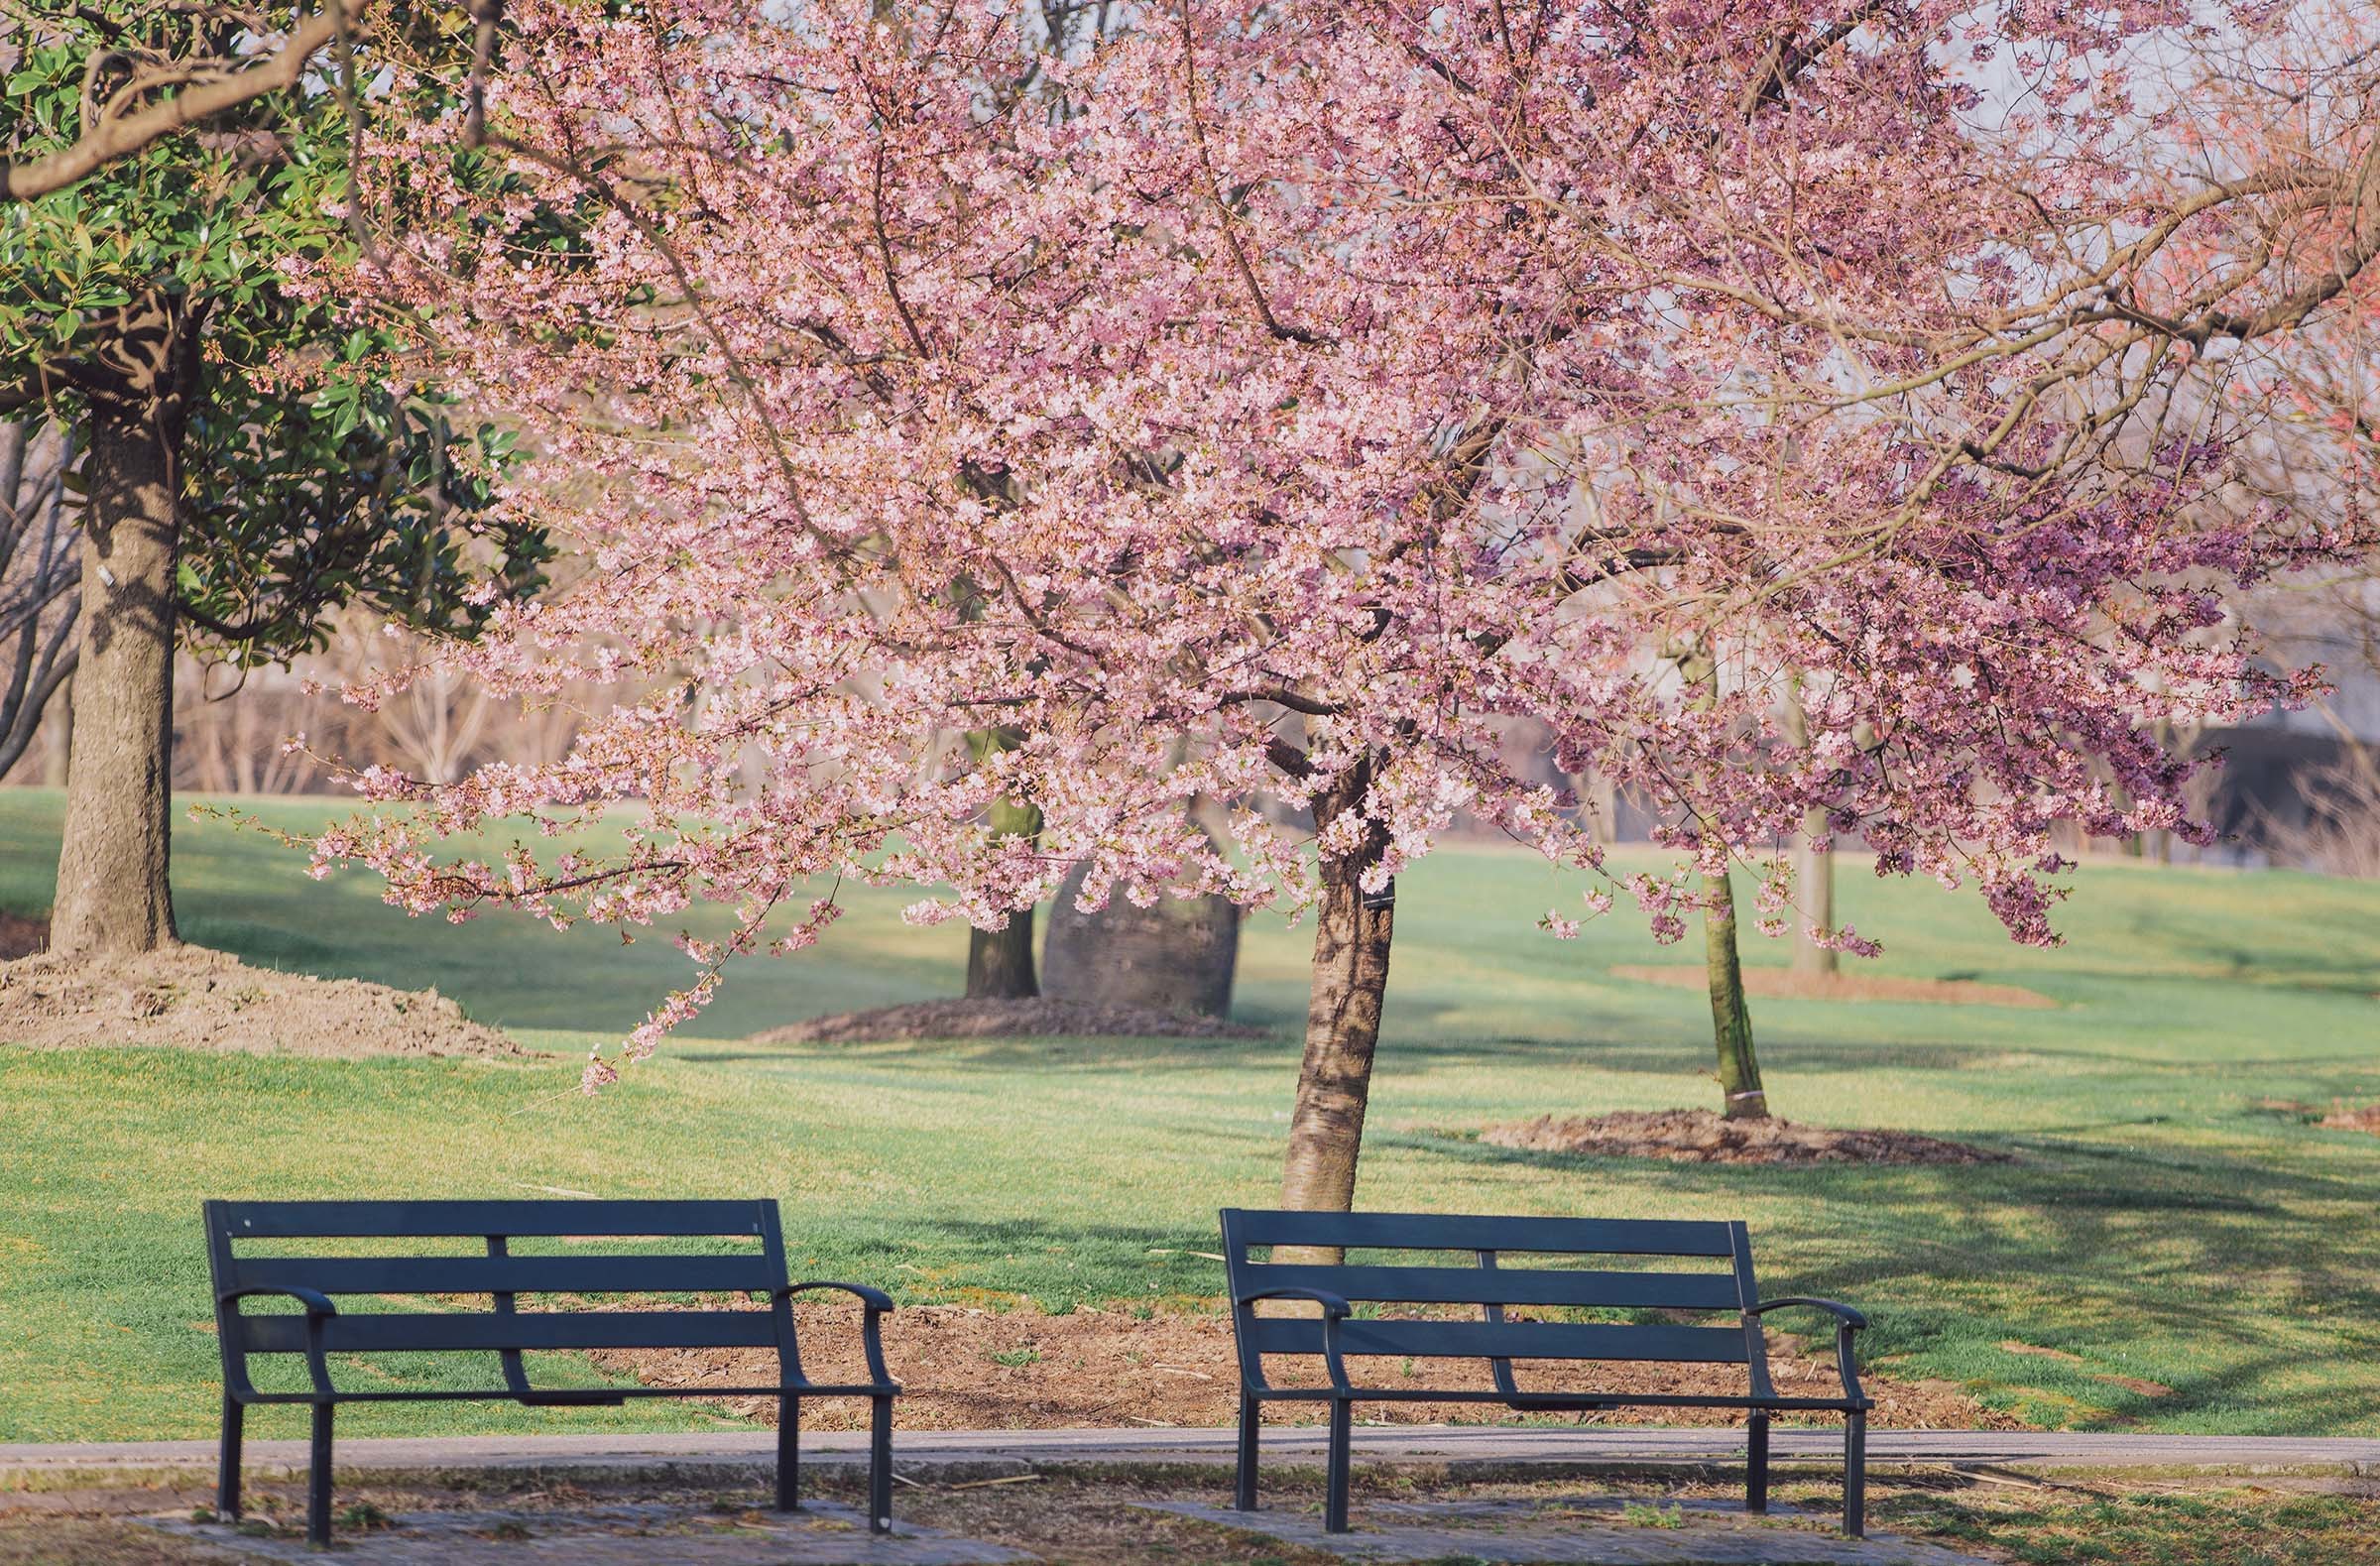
(1368, 380)
(251, 460)
(40, 574)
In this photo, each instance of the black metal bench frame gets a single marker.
(1338, 1334)
(506, 1330)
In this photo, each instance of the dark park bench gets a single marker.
(1336, 1334)
(235, 1232)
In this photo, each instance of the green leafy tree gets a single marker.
(253, 454)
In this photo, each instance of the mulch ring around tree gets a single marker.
(968, 1367)
(1700, 1136)
(1783, 984)
(1040, 1017)
(193, 998)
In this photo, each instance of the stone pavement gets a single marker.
(744, 1456)
(1587, 1532)
(822, 1533)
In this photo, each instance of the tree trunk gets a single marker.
(1814, 885)
(112, 891)
(1813, 863)
(1177, 955)
(58, 743)
(1352, 937)
(1730, 1018)
(999, 963)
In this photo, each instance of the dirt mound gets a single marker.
(191, 998)
(2366, 1118)
(1043, 1018)
(1785, 983)
(1699, 1136)
(968, 1369)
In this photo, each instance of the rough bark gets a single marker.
(1730, 1015)
(1352, 938)
(113, 893)
(999, 963)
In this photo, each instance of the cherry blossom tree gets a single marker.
(1274, 400)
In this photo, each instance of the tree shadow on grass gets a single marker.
(1647, 1057)
(2242, 1287)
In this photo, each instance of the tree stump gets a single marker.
(1178, 956)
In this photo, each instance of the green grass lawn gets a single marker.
(2165, 1222)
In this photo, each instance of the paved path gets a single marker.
(949, 1454)
(1586, 1533)
(822, 1534)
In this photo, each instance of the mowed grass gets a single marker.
(2169, 1223)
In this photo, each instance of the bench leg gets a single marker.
(880, 1466)
(1335, 1481)
(1756, 1475)
(1244, 1489)
(1855, 1475)
(788, 1454)
(318, 1480)
(227, 1462)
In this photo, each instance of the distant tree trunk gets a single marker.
(58, 743)
(1598, 799)
(1813, 866)
(999, 963)
(1352, 937)
(113, 895)
(1176, 956)
(1730, 1016)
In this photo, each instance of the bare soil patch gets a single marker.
(191, 998)
(1700, 1136)
(2361, 1118)
(969, 1368)
(21, 936)
(1785, 983)
(1039, 1017)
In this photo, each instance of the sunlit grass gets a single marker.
(2165, 1223)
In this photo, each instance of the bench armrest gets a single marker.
(1845, 1315)
(316, 1304)
(876, 1299)
(1846, 1322)
(1334, 1311)
(872, 1340)
(318, 1309)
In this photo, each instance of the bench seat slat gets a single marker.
(1530, 1340)
(382, 1332)
(516, 1274)
(402, 1220)
(1476, 1285)
(1455, 1232)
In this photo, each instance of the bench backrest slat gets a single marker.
(1483, 1340)
(1450, 1231)
(381, 1332)
(1503, 1285)
(506, 1275)
(518, 1219)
